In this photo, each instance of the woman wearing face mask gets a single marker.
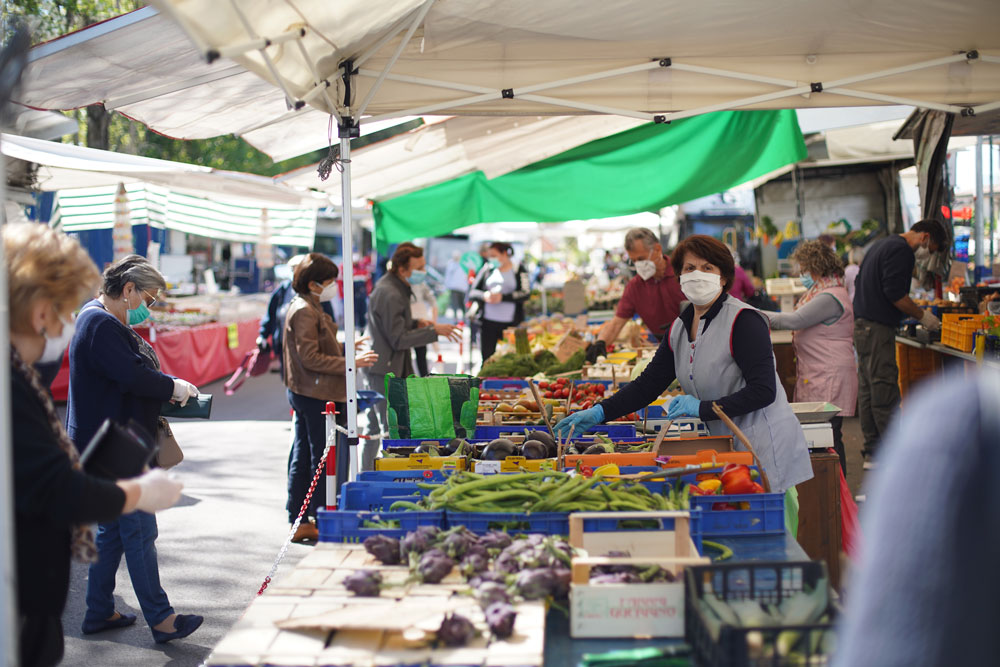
(501, 290)
(393, 330)
(315, 373)
(115, 374)
(719, 350)
(824, 336)
(55, 501)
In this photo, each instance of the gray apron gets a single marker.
(706, 370)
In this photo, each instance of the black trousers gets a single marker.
(421, 354)
(491, 332)
(838, 442)
(41, 640)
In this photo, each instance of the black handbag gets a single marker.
(118, 452)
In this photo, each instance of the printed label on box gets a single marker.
(627, 610)
(488, 467)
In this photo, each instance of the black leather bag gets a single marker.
(118, 452)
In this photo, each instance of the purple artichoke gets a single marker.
(364, 583)
(536, 583)
(563, 577)
(434, 567)
(507, 563)
(456, 630)
(500, 617)
(385, 549)
(457, 543)
(488, 576)
(489, 593)
(474, 563)
(416, 543)
(495, 539)
(613, 569)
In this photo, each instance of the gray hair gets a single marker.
(132, 269)
(647, 237)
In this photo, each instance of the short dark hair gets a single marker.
(314, 268)
(404, 253)
(709, 249)
(503, 248)
(935, 228)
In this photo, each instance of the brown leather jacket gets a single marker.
(314, 360)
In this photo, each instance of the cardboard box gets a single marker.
(567, 346)
(630, 610)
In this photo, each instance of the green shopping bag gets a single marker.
(435, 407)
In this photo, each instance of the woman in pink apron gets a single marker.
(823, 322)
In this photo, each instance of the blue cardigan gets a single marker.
(108, 378)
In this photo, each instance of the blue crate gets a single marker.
(766, 515)
(429, 476)
(613, 431)
(377, 496)
(389, 442)
(348, 525)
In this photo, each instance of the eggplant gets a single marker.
(533, 449)
(595, 449)
(498, 450)
(546, 439)
(455, 447)
(428, 448)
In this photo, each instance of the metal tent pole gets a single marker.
(980, 250)
(993, 219)
(8, 604)
(347, 129)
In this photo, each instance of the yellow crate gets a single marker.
(514, 464)
(421, 462)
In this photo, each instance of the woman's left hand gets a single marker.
(684, 406)
(366, 359)
(183, 390)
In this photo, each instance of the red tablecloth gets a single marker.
(197, 354)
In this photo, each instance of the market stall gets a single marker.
(200, 342)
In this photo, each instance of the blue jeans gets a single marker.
(134, 535)
(307, 450)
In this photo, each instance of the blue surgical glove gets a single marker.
(684, 406)
(580, 422)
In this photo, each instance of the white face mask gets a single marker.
(700, 287)
(922, 254)
(645, 268)
(329, 292)
(56, 347)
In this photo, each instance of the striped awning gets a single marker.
(94, 208)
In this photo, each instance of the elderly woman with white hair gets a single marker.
(115, 374)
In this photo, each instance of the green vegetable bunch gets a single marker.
(546, 491)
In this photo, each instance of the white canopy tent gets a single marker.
(438, 152)
(645, 59)
(171, 195)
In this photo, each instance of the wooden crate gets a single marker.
(630, 610)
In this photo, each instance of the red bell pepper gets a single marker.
(736, 480)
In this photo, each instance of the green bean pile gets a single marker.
(546, 491)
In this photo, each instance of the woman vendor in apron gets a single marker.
(719, 350)
(823, 322)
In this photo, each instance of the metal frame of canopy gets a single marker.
(348, 115)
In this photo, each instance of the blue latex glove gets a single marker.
(684, 406)
(580, 422)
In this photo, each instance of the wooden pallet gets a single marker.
(293, 623)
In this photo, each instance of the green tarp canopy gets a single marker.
(642, 169)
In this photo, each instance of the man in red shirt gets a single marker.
(653, 293)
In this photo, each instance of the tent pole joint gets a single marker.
(816, 87)
(212, 55)
(665, 62)
(348, 128)
(972, 55)
(661, 120)
(507, 93)
(348, 72)
(968, 112)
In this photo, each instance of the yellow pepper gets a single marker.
(608, 470)
(710, 485)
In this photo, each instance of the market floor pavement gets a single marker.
(216, 546)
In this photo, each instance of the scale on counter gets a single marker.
(815, 419)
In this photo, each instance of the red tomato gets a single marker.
(543, 385)
(600, 389)
(549, 394)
